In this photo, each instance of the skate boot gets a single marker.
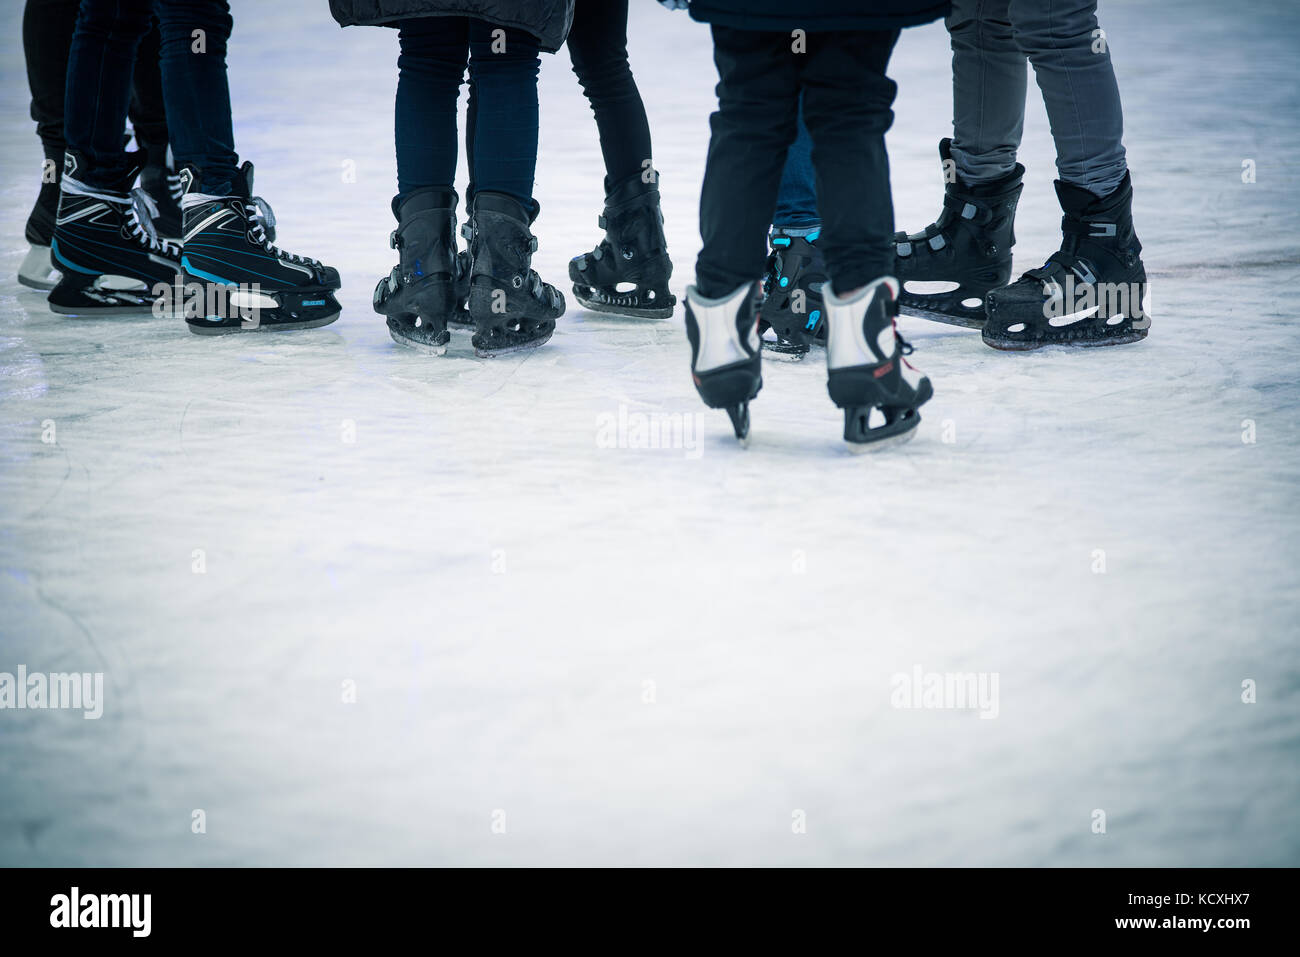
(460, 317)
(726, 353)
(106, 246)
(633, 253)
(969, 245)
(37, 270)
(420, 295)
(163, 187)
(792, 295)
(511, 307)
(869, 376)
(249, 284)
(1089, 293)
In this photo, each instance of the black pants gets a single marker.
(846, 104)
(47, 40)
(105, 51)
(598, 48)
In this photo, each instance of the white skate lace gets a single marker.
(140, 216)
(257, 222)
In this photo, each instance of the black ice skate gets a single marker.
(106, 247)
(249, 283)
(511, 307)
(869, 376)
(423, 293)
(38, 270)
(163, 186)
(792, 295)
(969, 245)
(726, 353)
(627, 274)
(1089, 293)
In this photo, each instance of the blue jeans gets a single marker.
(501, 133)
(195, 90)
(796, 202)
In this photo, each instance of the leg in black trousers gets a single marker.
(627, 274)
(598, 48)
(758, 105)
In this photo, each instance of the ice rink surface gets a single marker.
(666, 655)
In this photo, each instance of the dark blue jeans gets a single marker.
(796, 202)
(195, 89)
(501, 133)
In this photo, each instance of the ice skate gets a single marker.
(38, 270)
(627, 274)
(163, 186)
(792, 295)
(511, 307)
(869, 376)
(1092, 292)
(968, 247)
(251, 284)
(726, 354)
(104, 243)
(423, 292)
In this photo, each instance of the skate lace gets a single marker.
(140, 216)
(259, 218)
(174, 187)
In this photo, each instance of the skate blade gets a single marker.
(426, 347)
(84, 312)
(633, 312)
(783, 354)
(1029, 345)
(507, 350)
(201, 328)
(920, 312)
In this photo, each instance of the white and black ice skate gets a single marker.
(250, 284)
(105, 245)
(869, 376)
(38, 270)
(726, 352)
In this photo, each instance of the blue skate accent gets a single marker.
(54, 248)
(313, 302)
(781, 241)
(813, 316)
(812, 237)
(785, 281)
(194, 271)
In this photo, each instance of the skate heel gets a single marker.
(506, 322)
(726, 361)
(38, 270)
(421, 320)
(868, 375)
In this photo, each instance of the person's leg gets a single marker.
(197, 90)
(796, 200)
(147, 110)
(100, 65)
(846, 100)
(504, 74)
(431, 66)
(48, 26)
(1071, 60)
(989, 81)
(755, 123)
(598, 48)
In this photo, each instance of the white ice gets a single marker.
(661, 656)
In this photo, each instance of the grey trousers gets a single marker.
(990, 41)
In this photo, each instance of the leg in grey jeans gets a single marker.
(990, 41)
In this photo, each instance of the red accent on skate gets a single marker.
(887, 368)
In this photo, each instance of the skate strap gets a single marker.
(965, 209)
(1092, 229)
